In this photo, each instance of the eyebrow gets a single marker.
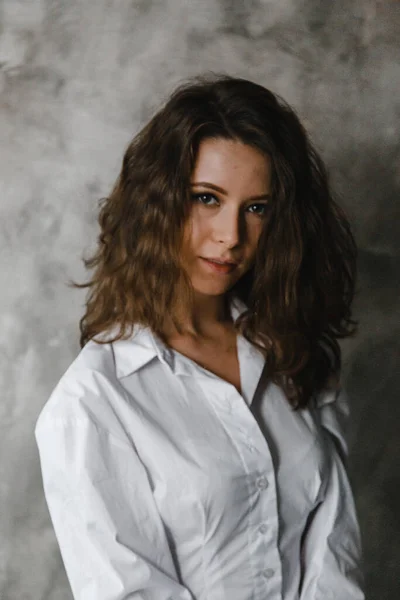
(222, 191)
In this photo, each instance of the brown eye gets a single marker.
(204, 198)
(199, 197)
(263, 206)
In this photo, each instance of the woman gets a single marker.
(196, 447)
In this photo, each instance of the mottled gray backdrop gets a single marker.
(78, 78)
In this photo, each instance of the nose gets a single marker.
(229, 228)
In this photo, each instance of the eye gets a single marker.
(199, 197)
(203, 197)
(264, 207)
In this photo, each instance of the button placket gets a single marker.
(252, 436)
(262, 483)
(245, 436)
(268, 573)
(247, 433)
(264, 527)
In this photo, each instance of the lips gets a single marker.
(219, 268)
(221, 261)
(218, 262)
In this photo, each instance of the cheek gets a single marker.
(196, 234)
(187, 236)
(253, 238)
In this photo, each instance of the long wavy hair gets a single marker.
(300, 289)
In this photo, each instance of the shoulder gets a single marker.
(84, 387)
(91, 388)
(333, 412)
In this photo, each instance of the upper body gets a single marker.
(163, 482)
(198, 451)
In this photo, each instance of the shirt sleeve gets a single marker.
(331, 549)
(109, 531)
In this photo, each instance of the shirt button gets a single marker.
(262, 483)
(251, 448)
(263, 528)
(268, 573)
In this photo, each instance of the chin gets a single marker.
(212, 290)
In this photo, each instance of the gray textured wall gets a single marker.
(77, 80)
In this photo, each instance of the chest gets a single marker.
(210, 458)
(221, 360)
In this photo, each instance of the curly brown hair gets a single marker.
(300, 289)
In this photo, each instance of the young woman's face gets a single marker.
(230, 186)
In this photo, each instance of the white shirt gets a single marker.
(164, 483)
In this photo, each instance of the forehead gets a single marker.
(221, 158)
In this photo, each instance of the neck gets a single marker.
(207, 320)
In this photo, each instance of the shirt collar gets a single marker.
(143, 346)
